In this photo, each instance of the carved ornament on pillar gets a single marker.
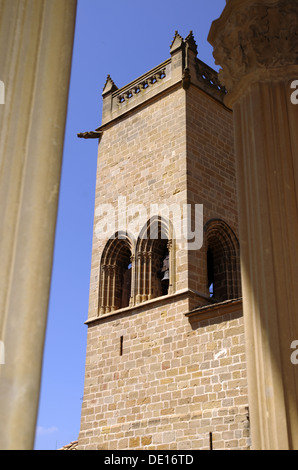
(253, 36)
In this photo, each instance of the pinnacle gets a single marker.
(109, 86)
(178, 41)
(190, 40)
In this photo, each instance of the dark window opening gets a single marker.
(154, 262)
(210, 441)
(160, 268)
(217, 271)
(223, 262)
(165, 274)
(126, 286)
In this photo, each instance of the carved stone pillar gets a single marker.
(145, 276)
(139, 277)
(109, 293)
(150, 276)
(36, 41)
(256, 43)
(113, 274)
(171, 267)
(133, 271)
(103, 289)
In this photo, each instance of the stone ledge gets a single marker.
(148, 303)
(207, 312)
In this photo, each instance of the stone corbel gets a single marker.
(186, 79)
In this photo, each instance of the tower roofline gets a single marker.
(182, 67)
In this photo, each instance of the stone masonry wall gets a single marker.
(211, 174)
(142, 158)
(176, 381)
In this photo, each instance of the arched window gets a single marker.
(116, 274)
(223, 261)
(154, 261)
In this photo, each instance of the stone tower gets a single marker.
(165, 363)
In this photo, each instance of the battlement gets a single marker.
(183, 68)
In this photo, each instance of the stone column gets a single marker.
(256, 44)
(150, 276)
(139, 277)
(133, 270)
(103, 300)
(114, 274)
(145, 271)
(109, 295)
(36, 42)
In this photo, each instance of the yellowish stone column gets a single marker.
(36, 42)
(256, 43)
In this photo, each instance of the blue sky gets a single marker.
(124, 39)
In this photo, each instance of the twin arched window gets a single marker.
(132, 273)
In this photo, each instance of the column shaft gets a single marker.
(256, 44)
(36, 41)
(269, 232)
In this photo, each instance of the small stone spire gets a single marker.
(109, 86)
(190, 41)
(176, 43)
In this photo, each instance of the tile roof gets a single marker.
(72, 446)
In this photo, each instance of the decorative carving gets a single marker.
(186, 79)
(255, 37)
(90, 135)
